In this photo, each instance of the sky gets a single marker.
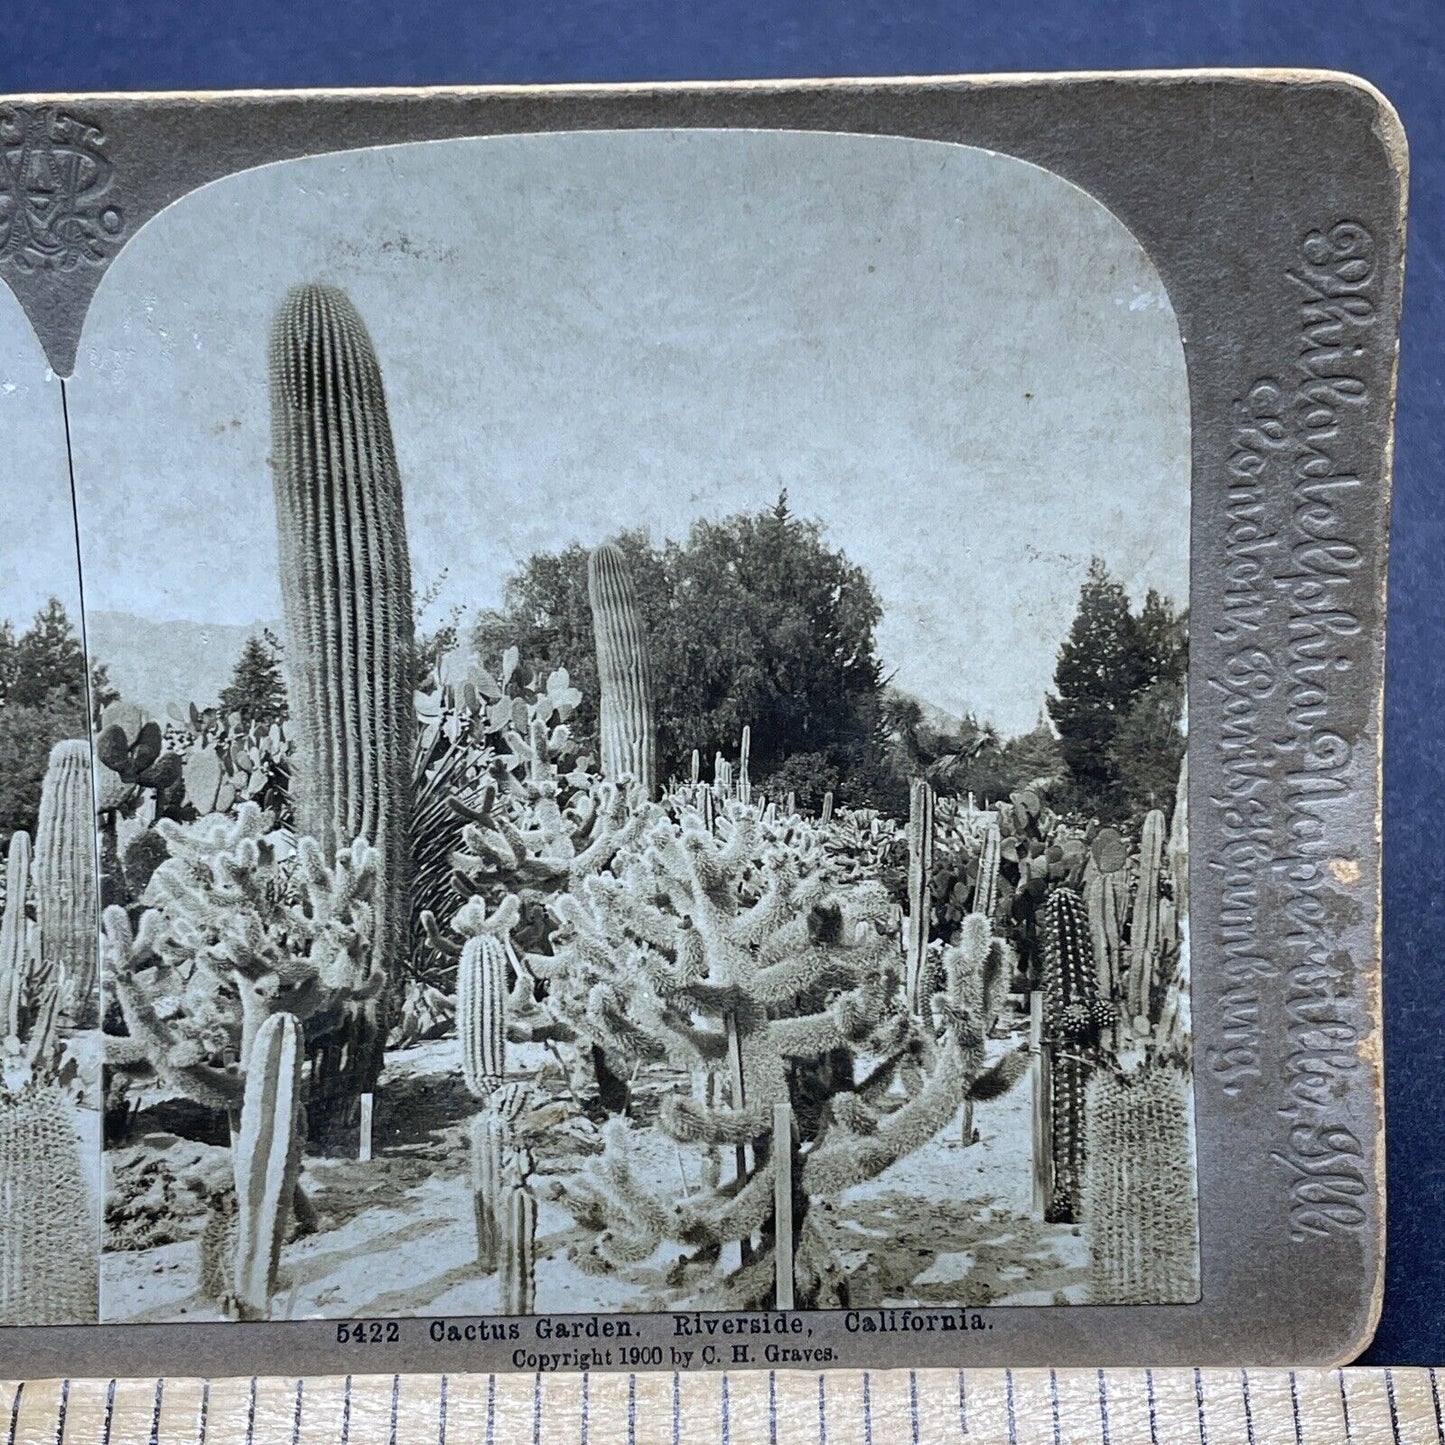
(962, 365)
(37, 553)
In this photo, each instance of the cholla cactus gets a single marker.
(232, 917)
(49, 1243)
(1140, 1196)
(733, 956)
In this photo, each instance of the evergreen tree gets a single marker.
(48, 658)
(257, 690)
(755, 621)
(1119, 685)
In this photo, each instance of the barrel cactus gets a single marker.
(1140, 1198)
(628, 722)
(66, 892)
(49, 1243)
(347, 597)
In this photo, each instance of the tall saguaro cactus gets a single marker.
(267, 1161)
(346, 589)
(628, 722)
(66, 895)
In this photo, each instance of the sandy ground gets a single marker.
(946, 1225)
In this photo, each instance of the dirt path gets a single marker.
(945, 1225)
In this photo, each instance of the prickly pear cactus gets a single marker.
(49, 1242)
(1140, 1197)
(66, 886)
(482, 1013)
(346, 590)
(628, 722)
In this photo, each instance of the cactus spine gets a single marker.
(1073, 1015)
(482, 1013)
(1139, 1191)
(14, 950)
(267, 1160)
(629, 729)
(65, 881)
(49, 1245)
(920, 873)
(519, 1253)
(1146, 931)
(488, 1135)
(346, 590)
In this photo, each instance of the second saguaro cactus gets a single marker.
(628, 722)
(346, 590)
(66, 895)
(267, 1160)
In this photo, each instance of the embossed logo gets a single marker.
(54, 180)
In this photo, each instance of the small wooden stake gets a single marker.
(783, 1204)
(363, 1153)
(1043, 1123)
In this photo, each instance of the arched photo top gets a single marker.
(962, 365)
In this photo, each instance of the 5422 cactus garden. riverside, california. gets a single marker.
(638, 944)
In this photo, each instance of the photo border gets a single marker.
(1271, 204)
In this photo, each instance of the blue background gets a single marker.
(1394, 43)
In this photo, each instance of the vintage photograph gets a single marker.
(50, 1044)
(638, 696)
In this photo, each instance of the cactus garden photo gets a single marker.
(610, 759)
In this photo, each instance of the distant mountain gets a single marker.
(158, 663)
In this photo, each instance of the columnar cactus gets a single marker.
(920, 900)
(1073, 1016)
(49, 1243)
(629, 728)
(14, 940)
(1146, 929)
(488, 1133)
(745, 781)
(1140, 1198)
(519, 1252)
(482, 1012)
(985, 890)
(66, 891)
(346, 590)
(267, 1161)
